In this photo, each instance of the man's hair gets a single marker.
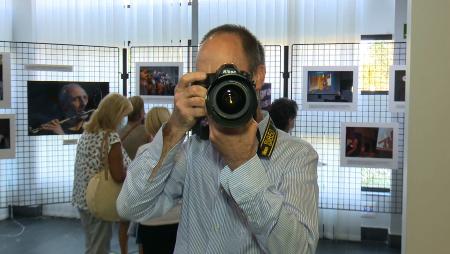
(253, 49)
(281, 111)
(138, 106)
(64, 96)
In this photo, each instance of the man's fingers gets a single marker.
(196, 102)
(190, 77)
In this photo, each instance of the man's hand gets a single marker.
(236, 146)
(189, 104)
(53, 126)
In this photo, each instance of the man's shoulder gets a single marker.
(294, 145)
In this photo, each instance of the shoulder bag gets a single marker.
(102, 191)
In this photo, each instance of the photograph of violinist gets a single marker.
(62, 107)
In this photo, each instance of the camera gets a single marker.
(231, 99)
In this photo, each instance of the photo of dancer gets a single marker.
(330, 88)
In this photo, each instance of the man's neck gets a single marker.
(259, 115)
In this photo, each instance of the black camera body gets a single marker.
(231, 99)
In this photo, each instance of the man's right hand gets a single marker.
(189, 104)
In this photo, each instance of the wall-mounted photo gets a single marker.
(7, 136)
(62, 107)
(265, 96)
(330, 88)
(397, 87)
(156, 81)
(369, 145)
(5, 80)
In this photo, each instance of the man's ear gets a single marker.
(259, 76)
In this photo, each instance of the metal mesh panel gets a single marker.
(340, 187)
(273, 70)
(188, 56)
(42, 172)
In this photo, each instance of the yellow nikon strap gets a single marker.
(268, 141)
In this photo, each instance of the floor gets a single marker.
(58, 235)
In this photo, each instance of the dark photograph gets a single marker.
(330, 86)
(1, 77)
(369, 142)
(265, 95)
(5, 134)
(400, 82)
(62, 107)
(158, 78)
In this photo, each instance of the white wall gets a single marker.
(3, 213)
(22, 25)
(346, 225)
(5, 20)
(377, 17)
(427, 206)
(60, 210)
(401, 10)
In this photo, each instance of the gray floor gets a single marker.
(57, 235)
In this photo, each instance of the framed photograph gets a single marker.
(397, 87)
(62, 107)
(265, 96)
(5, 80)
(156, 81)
(369, 145)
(330, 88)
(7, 136)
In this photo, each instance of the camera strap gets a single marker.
(268, 140)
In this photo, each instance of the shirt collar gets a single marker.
(262, 125)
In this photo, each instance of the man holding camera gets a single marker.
(248, 188)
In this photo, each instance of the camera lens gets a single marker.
(230, 99)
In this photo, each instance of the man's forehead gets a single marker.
(77, 89)
(220, 49)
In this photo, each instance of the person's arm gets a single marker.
(115, 160)
(189, 102)
(143, 197)
(156, 176)
(284, 217)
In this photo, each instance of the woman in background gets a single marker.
(132, 135)
(158, 235)
(103, 124)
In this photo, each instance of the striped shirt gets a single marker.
(264, 206)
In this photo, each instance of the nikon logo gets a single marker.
(228, 71)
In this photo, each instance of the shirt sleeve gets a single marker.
(283, 217)
(142, 198)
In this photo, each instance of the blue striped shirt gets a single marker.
(264, 206)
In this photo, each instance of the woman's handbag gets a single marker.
(102, 191)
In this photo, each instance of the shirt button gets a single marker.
(216, 227)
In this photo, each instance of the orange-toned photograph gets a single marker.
(157, 79)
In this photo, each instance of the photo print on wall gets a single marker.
(156, 81)
(369, 145)
(397, 88)
(265, 96)
(330, 88)
(62, 107)
(7, 136)
(5, 80)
